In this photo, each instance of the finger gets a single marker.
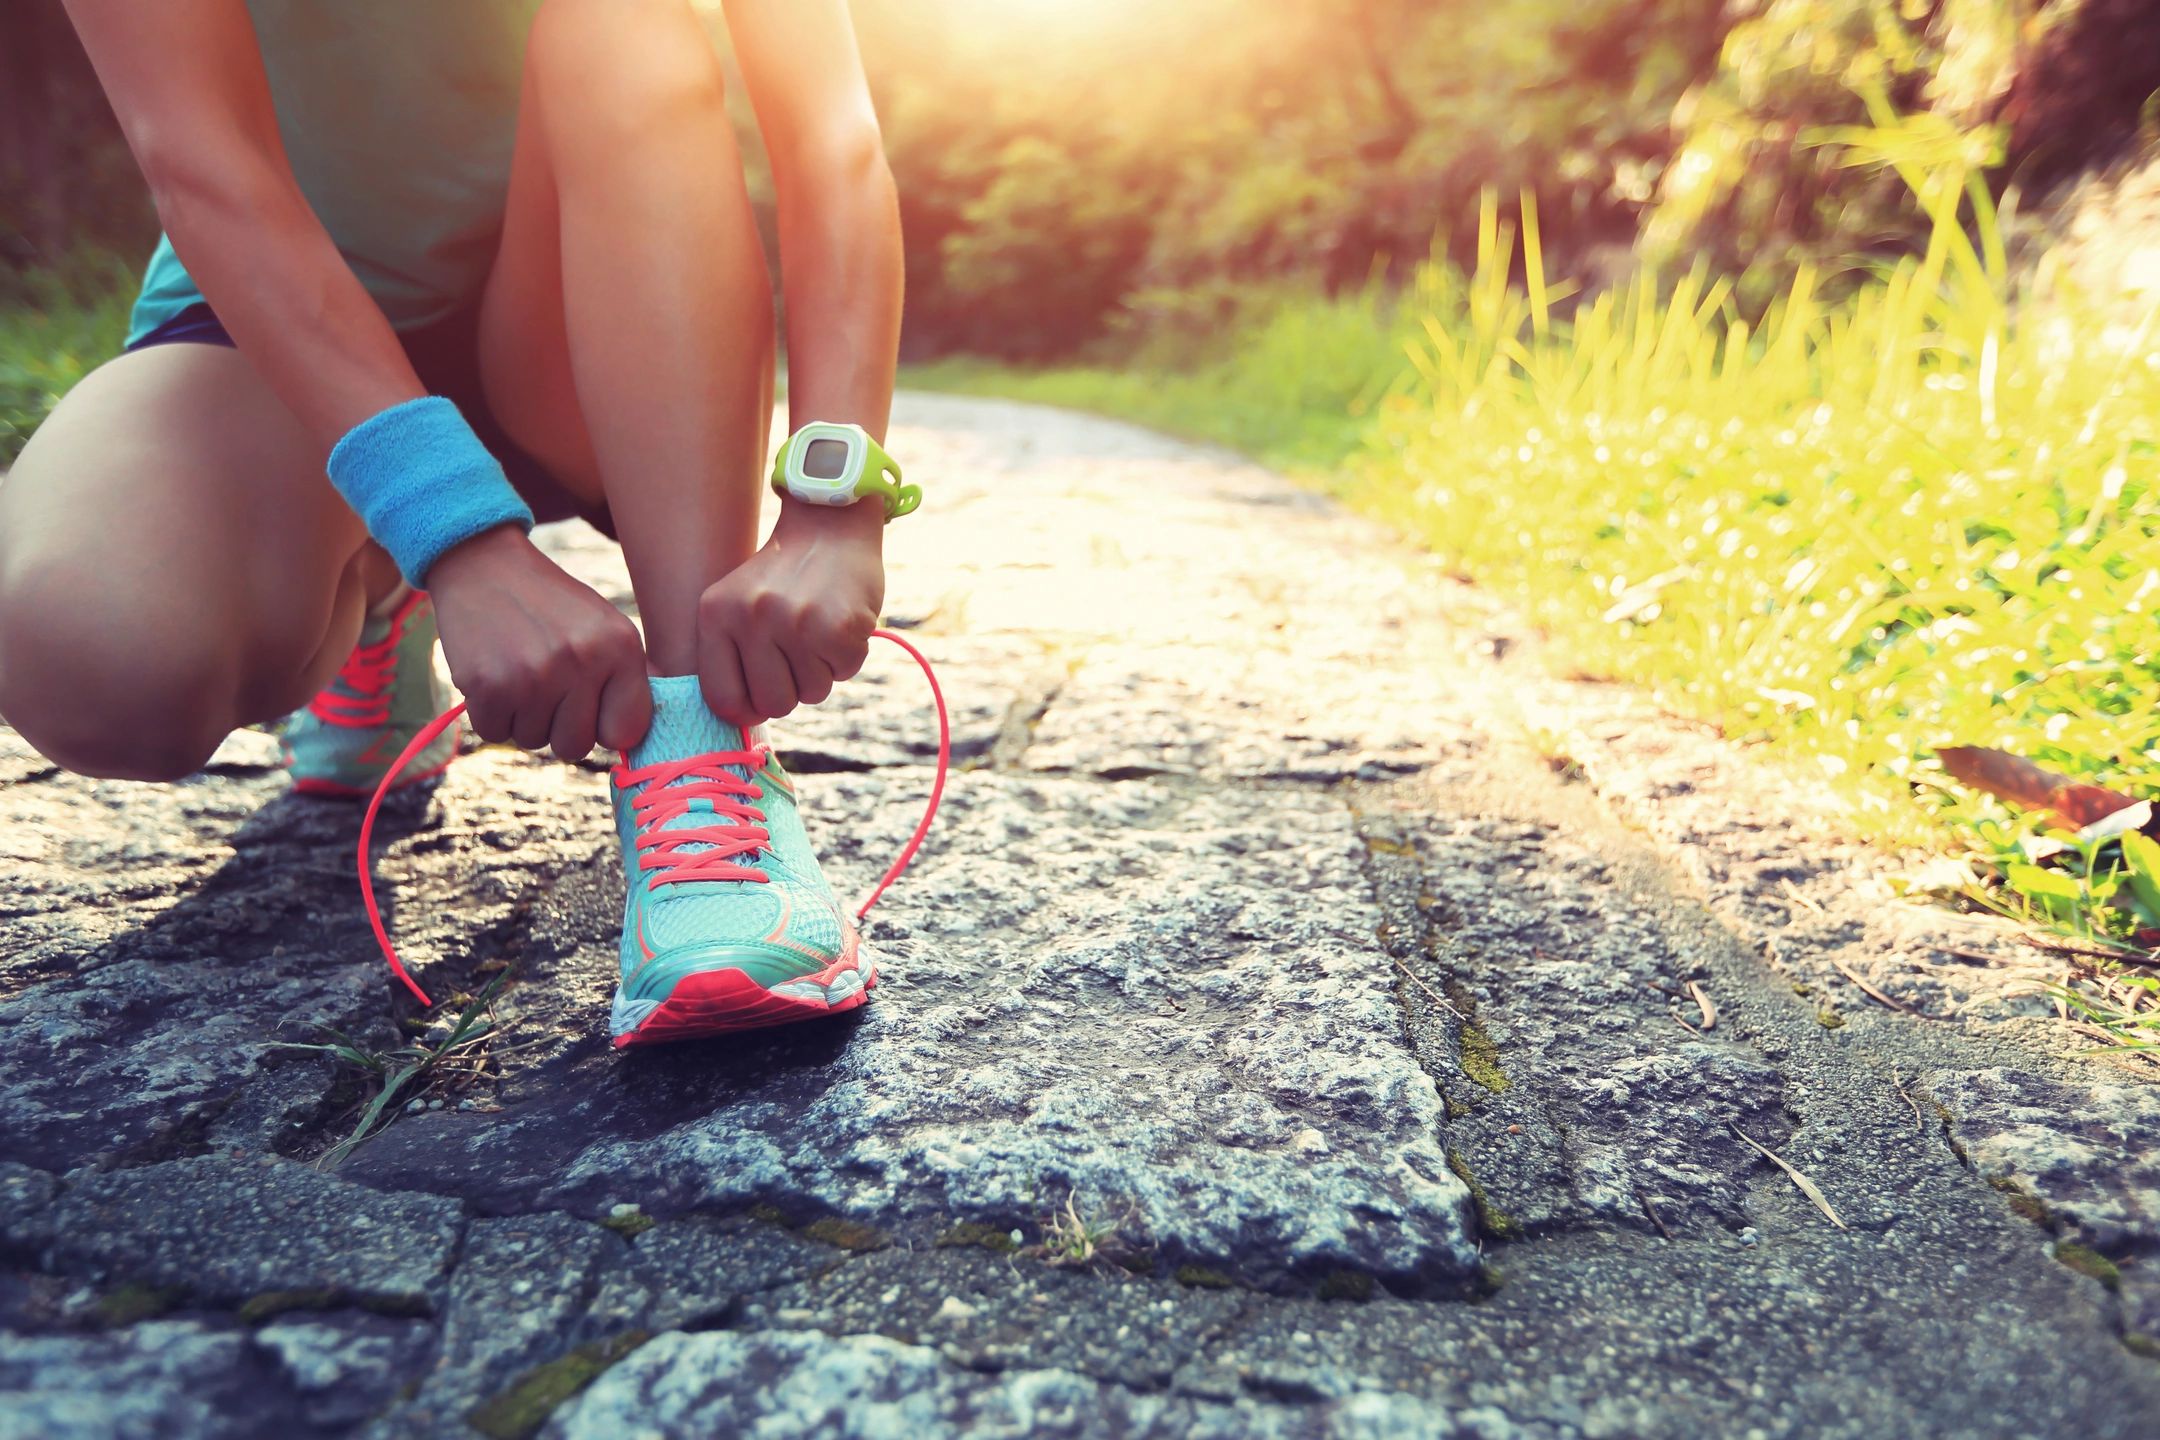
(530, 725)
(489, 720)
(720, 676)
(772, 685)
(846, 656)
(577, 722)
(625, 709)
(813, 677)
(489, 717)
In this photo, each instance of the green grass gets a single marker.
(55, 327)
(1296, 385)
(1925, 513)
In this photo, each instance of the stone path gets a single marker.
(1258, 938)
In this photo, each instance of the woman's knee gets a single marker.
(99, 694)
(614, 70)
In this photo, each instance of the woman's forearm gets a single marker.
(186, 81)
(840, 269)
(266, 265)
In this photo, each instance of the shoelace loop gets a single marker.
(366, 673)
(444, 721)
(671, 788)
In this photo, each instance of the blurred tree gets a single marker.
(2088, 89)
(1096, 171)
(66, 178)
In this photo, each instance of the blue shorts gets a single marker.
(446, 358)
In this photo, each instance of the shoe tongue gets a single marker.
(375, 629)
(683, 725)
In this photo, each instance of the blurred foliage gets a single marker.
(1064, 167)
(1052, 196)
(1214, 142)
(56, 324)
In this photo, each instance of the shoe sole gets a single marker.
(722, 1002)
(312, 785)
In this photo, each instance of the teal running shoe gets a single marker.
(729, 924)
(385, 694)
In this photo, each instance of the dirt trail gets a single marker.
(1324, 955)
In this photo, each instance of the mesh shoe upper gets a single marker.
(385, 693)
(778, 921)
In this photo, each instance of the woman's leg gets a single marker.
(626, 334)
(173, 564)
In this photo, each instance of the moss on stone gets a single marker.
(2089, 1262)
(519, 1412)
(1201, 1277)
(278, 1302)
(1830, 1019)
(1353, 1285)
(768, 1213)
(630, 1226)
(847, 1234)
(1481, 1057)
(131, 1302)
(2027, 1205)
(2138, 1343)
(1476, 1050)
(1495, 1222)
(974, 1232)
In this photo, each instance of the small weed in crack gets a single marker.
(408, 1070)
(1081, 1241)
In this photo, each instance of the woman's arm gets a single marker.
(812, 595)
(538, 654)
(186, 80)
(840, 258)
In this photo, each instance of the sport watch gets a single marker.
(828, 464)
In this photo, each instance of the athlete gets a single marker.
(429, 271)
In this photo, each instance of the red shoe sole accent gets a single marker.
(720, 1002)
(313, 786)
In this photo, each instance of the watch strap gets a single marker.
(880, 477)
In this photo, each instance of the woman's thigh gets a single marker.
(524, 335)
(173, 562)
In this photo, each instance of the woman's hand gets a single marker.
(542, 659)
(794, 619)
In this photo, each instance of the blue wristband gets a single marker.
(423, 482)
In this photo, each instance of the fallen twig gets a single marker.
(1651, 1211)
(1897, 1083)
(1875, 994)
(1437, 997)
(2054, 946)
(1807, 1187)
(1792, 892)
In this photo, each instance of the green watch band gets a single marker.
(828, 464)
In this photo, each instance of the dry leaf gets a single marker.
(1807, 1186)
(2020, 781)
(1709, 1011)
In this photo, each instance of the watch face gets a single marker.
(825, 459)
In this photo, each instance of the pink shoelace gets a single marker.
(663, 799)
(366, 672)
(663, 850)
